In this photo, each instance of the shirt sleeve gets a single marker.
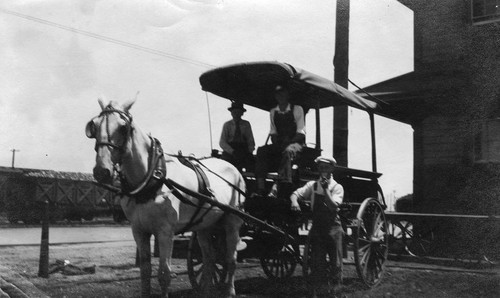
(298, 114)
(224, 139)
(305, 192)
(337, 193)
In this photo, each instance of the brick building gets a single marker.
(452, 102)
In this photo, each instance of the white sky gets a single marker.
(51, 77)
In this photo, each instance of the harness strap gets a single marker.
(192, 222)
(157, 170)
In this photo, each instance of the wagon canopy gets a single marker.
(253, 84)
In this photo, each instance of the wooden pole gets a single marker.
(341, 77)
(43, 266)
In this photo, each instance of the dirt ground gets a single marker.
(116, 276)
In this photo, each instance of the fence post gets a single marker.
(43, 266)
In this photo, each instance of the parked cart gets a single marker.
(273, 233)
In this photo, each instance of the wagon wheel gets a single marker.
(279, 264)
(371, 242)
(399, 233)
(278, 259)
(418, 243)
(195, 261)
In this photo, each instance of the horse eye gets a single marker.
(90, 130)
(124, 130)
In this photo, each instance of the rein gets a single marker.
(239, 190)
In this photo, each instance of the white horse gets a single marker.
(152, 208)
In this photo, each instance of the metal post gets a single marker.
(43, 266)
(341, 77)
(14, 156)
(374, 150)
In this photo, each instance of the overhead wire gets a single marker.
(108, 39)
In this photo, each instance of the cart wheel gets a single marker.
(195, 261)
(279, 263)
(371, 242)
(399, 233)
(419, 243)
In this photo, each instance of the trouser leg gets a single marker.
(334, 247)
(266, 159)
(317, 279)
(287, 158)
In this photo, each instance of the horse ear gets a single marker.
(130, 103)
(101, 103)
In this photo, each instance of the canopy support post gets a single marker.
(374, 148)
(318, 128)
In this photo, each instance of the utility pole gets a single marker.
(341, 77)
(14, 156)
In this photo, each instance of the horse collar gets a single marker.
(153, 181)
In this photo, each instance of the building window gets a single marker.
(485, 11)
(487, 142)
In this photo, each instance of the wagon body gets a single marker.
(362, 213)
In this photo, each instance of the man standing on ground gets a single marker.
(326, 233)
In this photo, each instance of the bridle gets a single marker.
(91, 128)
(156, 167)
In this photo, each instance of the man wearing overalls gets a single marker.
(288, 137)
(326, 232)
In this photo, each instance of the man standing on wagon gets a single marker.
(326, 233)
(288, 137)
(237, 140)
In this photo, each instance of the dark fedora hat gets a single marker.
(237, 106)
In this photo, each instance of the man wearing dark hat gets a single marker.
(326, 233)
(288, 137)
(237, 140)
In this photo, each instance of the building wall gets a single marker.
(447, 170)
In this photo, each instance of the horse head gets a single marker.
(112, 129)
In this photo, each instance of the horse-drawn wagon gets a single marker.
(362, 213)
(207, 195)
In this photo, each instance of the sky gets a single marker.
(59, 57)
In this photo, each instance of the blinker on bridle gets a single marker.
(90, 129)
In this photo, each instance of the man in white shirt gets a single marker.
(288, 137)
(326, 233)
(237, 140)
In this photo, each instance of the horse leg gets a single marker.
(166, 245)
(207, 251)
(143, 244)
(232, 226)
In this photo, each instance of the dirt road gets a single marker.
(115, 276)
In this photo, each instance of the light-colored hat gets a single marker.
(326, 159)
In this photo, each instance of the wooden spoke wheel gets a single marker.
(371, 242)
(195, 261)
(399, 233)
(279, 261)
(418, 242)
